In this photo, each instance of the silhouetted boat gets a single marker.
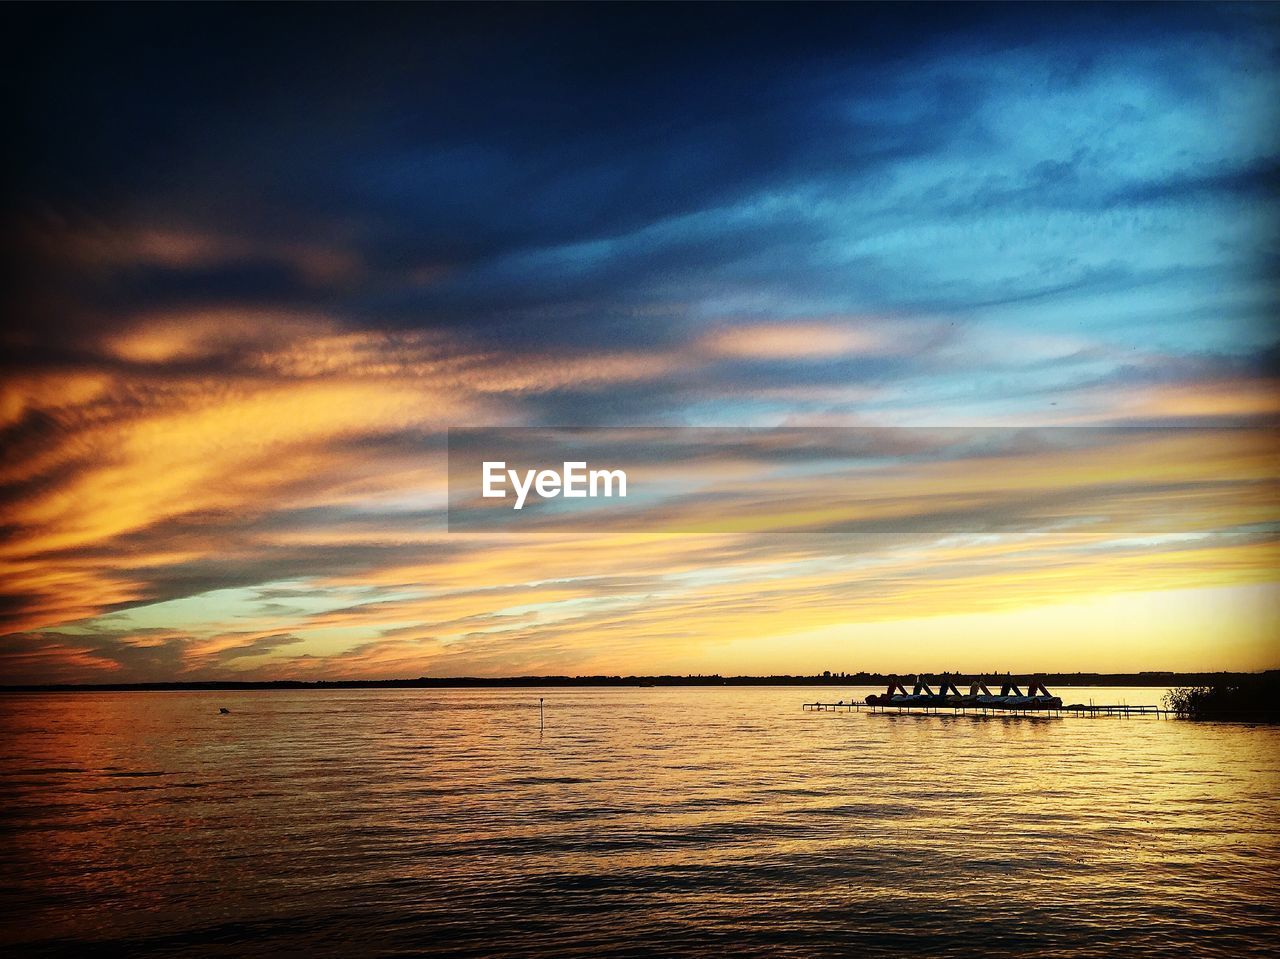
(922, 694)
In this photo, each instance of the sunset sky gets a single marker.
(262, 260)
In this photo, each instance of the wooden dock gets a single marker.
(1090, 711)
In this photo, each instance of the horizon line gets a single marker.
(1140, 678)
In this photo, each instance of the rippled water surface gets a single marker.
(640, 822)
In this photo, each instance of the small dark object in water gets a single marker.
(224, 711)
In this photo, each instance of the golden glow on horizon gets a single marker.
(282, 469)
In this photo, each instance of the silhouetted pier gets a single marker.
(946, 698)
(1078, 710)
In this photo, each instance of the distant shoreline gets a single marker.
(1149, 678)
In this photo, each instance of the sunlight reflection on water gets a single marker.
(643, 821)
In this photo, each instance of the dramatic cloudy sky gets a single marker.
(260, 261)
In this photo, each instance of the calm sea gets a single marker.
(660, 822)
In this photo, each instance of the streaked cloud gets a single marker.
(240, 324)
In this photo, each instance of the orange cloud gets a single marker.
(214, 450)
(816, 339)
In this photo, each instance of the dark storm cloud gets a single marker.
(523, 157)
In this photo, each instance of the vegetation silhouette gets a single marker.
(1248, 699)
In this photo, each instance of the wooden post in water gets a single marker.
(541, 720)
